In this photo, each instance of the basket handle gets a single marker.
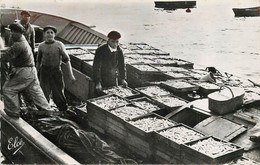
(227, 88)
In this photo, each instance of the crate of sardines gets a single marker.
(184, 64)
(210, 150)
(176, 75)
(116, 120)
(76, 62)
(125, 92)
(146, 104)
(139, 138)
(98, 109)
(165, 68)
(106, 102)
(153, 91)
(170, 102)
(167, 144)
(179, 86)
(206, 87)
(142, 72)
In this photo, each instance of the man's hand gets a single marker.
(98, 87)
(124, 83)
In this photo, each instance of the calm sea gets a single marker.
(210, 35)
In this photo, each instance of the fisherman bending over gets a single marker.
(23, 74)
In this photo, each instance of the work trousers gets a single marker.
(51, 80)
(23, 78)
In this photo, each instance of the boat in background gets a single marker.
(68, 31)
(247, 12)
(173, 5)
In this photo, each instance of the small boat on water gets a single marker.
(247, 12)
(172, 5)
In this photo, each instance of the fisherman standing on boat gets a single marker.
(109, 65)
(51, 54)
(29, 32)
(23, 74)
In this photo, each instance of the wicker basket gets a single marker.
(221, 103)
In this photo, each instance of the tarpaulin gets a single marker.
(84, 146)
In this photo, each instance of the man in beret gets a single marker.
(51, 54)
(109, 65)
(23, 75)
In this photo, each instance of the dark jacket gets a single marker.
(108, 67)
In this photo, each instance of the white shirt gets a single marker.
(112, 49)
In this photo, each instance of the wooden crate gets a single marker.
(184, 64)
(176, 75)
(148, 101)
(161, 101)
(86, 56)
(153, 91)
(148, 74)
(87, 68)
(140, 140)
(116, 128)
(97, 115)
(127, 112)
(165, 146)
(178, 86)
(76, 62)
(191, 155)
(91, 103)
(76, 51)
(116, 90)
(142, 133)
(206, 87)
(189, 116)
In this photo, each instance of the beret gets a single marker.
(26, 13)
(16, 27)
(50, 27)
(114, 35)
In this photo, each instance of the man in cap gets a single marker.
(109, 65)
(29, 32)
(23, 75)
(51, 54)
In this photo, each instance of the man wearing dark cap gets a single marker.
(29, 32)
(23, 75)
(51, 54)
(109, 65)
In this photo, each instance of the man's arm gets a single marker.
(97, 64)
(39, 58)
(66, 60)
(121, 67)
(32, 39)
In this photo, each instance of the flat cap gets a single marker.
(114, 35)
(50, 27)
(16, 27)
(25, 13)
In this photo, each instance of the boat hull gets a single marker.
(22, 144)
(175, 4)
(246, 12)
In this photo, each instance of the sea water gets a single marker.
(209, 35)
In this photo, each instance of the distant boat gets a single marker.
(247, 12)
(175, 4)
